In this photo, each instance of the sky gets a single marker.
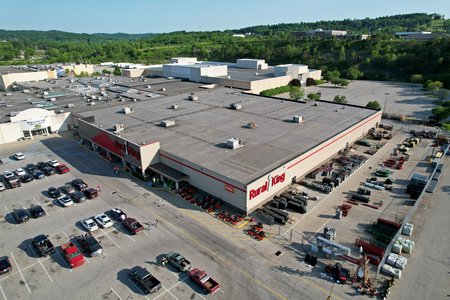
(158, 16)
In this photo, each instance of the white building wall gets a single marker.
(10, 132)
(59, 122)
(277, 180)
(258, 86)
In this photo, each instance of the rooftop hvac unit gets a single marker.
(168, 123)
(298, 119)
(252, 125)
(119, 127)
(149, 86)
(127, 110)
(236, 106)
(70, 105)
(234, 143)
(175, 106)
(193, 97)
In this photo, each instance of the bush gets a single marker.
(340, 99)
(313, 96)
(374, 105)
(310, 81)
(277, 91)
(295, 82)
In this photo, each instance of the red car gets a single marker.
(73, 256)
(132, 225)
(62, 169)
(202, 279)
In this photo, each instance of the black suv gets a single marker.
(20, 215)
(78, 196)
(41, 165)
(48, 170)
(79, 184)
(53, 192)
(5, 265)
(26, 178)
(37, 211)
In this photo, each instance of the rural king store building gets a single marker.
(259, 172)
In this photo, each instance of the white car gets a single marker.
(19, 156)
(2, 186)
(8, 174)
(103, 220)
(20, 172)
(53, 163)
(65, 200)
(89, 224)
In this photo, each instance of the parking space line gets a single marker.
(116, 293)
(110, 238)
(130, 238)
(171, 293)
(39, 260)
(23, 278)
(2, 292)
(167, 290)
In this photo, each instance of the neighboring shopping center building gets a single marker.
(239, 147)
(253, 75)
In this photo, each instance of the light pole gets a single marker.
(385, 102)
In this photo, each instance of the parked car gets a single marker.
(132, 225)
(5, 265)
(144, 279)
(20, 172)
(67, 188)
(78, 197)
(8, 174)
(89, 224)
(49, 170)
(65, 200)
(91, 193)
(20, 215)
(26, 178)
(103, 220)
(117, 214)
(62, 169)
(43, 245)
(79, 184)
(31, 168)
(19, 156)
(72, 255)
(53, 192)
(53, 163)
(204, 281)
(37, 211)
(41, 165)
(178, 261)
(38, 174)
(2, 186)
(89, 244)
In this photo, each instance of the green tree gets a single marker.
(353, 73)
(117, 71)
(330, 75)
(296, 93)
(416, 78)
(313, 96)
(440, 113)
(434, 86)
(373, 105)
(106, 72)
(340, 99)
(342, 54)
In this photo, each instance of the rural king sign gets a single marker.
(128, 150)
(270, 182)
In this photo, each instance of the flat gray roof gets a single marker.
(204, 126)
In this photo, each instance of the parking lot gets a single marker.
(243, 270)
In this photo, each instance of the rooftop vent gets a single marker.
(252, 125)
(168, 123)
(127, 110)
(234, 143)
(297, 119)
(119, 127)
(236, 106)
(175, 106)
